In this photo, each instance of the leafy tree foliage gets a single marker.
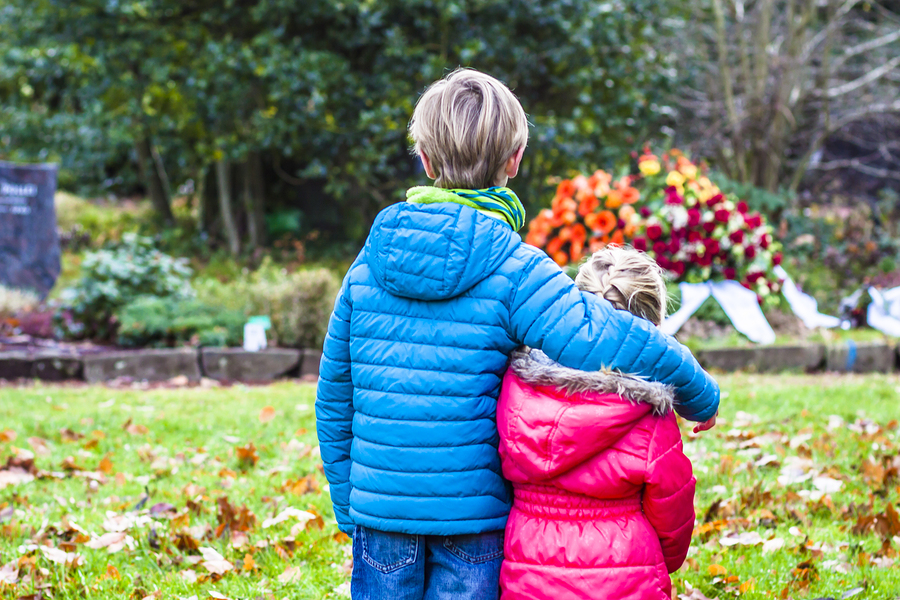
(301, 108)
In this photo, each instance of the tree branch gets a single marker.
(871, 76)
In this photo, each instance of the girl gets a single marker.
(603, 491)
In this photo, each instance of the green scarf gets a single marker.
(498, 202)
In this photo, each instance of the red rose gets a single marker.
(764, 242)
(712, 247)
(730, 273)
(706, 260)
(677, 267)
(674, 246)
(749, 252)
(722, 215)
(709, 226)
(639, 244)
(679, 234)
(694, 236)
(672, 196)
(654, 231)
(659, 248)
(742, 207)
(645, 212)
(745, 284)
(753, 221)
(715, 200)
(737, 237)
(621, 224)
(754, 277)
(776, 260)
(663, 261)
(694, 217)
(759, 299)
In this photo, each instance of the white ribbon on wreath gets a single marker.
(742, 308)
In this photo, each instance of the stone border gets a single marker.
(235, 364)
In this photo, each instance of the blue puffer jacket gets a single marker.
(417, 348)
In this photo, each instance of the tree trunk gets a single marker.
(258, 188)
(155, 186)
(223, 177)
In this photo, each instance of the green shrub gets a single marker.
(112, 278)
(166, 322)
(299, 303)
(13, 301)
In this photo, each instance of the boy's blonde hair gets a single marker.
(468, 124)
(629, 279)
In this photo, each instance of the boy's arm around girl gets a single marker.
(545, 311)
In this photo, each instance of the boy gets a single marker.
(441, 294)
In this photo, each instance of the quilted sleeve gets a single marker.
(669, 493)
(334, 407)
(583, 331)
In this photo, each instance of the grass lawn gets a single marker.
(797, 493)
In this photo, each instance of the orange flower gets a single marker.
(596, 244)
(554, 246)
(599, 182)
(630, 230)
(565, 234)
(606, 221)
(617, 238)
(579, 233)
(565, 189)
(630, 195)
(588, 205)
(561, 258)
(577, 252)
(626, 213)
(591, 220)
(614, 199)
(569, 217)
(580, 183)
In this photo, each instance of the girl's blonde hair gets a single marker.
(468, 124)
(628, 279)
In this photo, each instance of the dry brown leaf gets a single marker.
(189, 576)
(7, 435)
(68, 435)
(267, 414)
(249, 563)
(113, 542)
(112, 572)
(9, 573)
(39, 445)
(105, 465)
(217, 595)
(61, 557)
(137, 429)
(247, 454)
(716, 570)
(214, 562)
(291, 575)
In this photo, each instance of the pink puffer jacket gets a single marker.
(603, 491)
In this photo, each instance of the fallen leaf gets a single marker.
(716, 570)
(113, 542)
(267, 414)
(289, 513)
(60, 557)
(214, 562)
(772, 545)
(189, 576)
(291, 575)
(9, 573)
(247, 454)
(217, 595)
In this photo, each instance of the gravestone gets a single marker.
(29, 243)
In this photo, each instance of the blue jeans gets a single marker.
(399, 566)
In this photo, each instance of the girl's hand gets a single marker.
(707, 425)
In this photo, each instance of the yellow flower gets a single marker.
(688, 170)
(649, 166)
(675, 178)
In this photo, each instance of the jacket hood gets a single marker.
(436, 251)
(554, 418)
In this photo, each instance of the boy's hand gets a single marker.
(706, 425)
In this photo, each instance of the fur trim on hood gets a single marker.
(536, 368)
